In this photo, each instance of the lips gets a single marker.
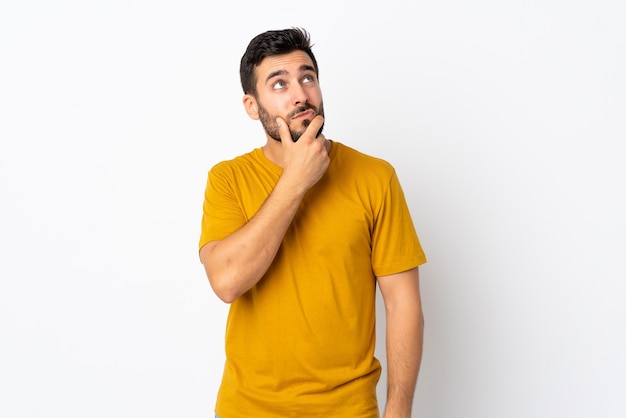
(303, 112)
(307, 114)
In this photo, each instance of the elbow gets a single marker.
(420, 318)
(221, 277)
(420, 324)
(223, 290)
(226, 297)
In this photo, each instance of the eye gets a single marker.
(278, 85)
(308, 79)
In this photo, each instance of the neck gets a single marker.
(273, 150)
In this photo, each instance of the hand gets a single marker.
(305, 161)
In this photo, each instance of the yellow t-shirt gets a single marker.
(301, 342)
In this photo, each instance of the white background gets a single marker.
(504, 119)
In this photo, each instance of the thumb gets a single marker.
(283, 131)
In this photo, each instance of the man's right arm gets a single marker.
(236, 263)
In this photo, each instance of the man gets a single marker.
(295, 236)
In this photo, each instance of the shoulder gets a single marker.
(352, 158)
(234, 165)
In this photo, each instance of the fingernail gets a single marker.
(279, 122)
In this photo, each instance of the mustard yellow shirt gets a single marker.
(301, 342)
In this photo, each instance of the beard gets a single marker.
(271, 127)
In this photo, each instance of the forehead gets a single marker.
(292, 62)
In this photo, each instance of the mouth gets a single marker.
(307, 114)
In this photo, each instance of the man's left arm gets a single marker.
(405, 331)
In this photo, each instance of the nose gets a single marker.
(298, 95)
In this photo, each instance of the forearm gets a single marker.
(405, 330)
(236, 263)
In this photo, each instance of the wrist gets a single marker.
(289, 189)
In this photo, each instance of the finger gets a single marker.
(313, 130)
(283, 131)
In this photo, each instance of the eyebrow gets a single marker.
(303, 68)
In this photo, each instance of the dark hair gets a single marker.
(273, 42)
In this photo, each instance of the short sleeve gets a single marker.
(395, 244)
(222, 213)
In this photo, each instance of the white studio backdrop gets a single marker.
(504, 120)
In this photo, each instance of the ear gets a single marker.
(251, 106)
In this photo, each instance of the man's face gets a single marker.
(287, 86)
